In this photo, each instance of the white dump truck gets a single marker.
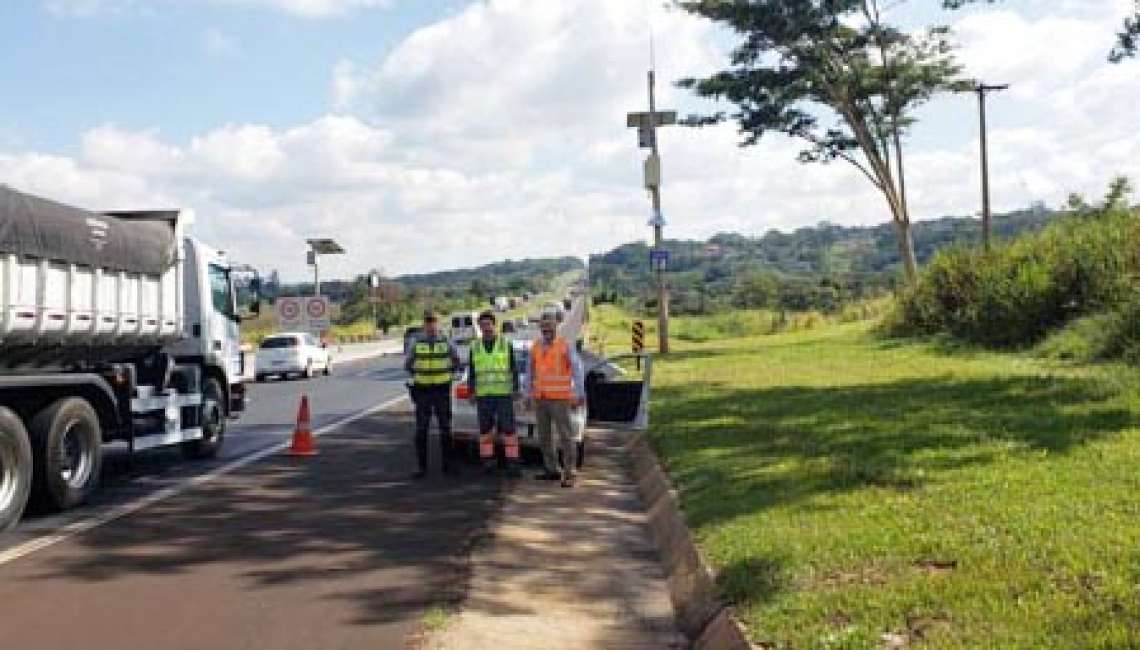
(113, 327)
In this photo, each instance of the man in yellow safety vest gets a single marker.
(432, 361)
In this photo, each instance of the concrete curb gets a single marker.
(705, 619)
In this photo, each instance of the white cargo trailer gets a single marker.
(113, 327)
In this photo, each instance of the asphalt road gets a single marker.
(257, 549)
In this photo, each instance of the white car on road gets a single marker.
(291, 353)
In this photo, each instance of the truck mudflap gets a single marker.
(237, 398)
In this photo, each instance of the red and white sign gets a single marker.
(317, 314)
(289, 313)
(308, 314)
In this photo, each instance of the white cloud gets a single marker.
(499, 132)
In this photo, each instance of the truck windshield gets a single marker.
(222, 291)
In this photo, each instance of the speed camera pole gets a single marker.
(647, 124)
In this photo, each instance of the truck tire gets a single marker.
(15, 468)
(68, 449)
(213, 423)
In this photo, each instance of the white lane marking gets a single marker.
(118, 512)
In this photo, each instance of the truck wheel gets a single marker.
(68, 449)
(15, 468)
(213, 423)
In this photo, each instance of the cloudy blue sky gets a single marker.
(437, 134)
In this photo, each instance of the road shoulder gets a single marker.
(567, 567)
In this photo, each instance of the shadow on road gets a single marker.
(347, 526)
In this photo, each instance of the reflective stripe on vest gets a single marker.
(492, 369)
(551, 369)
(431, 363)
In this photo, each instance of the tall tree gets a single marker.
(802, 59)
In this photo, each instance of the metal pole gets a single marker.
(655, 193)
(985, 171)
(316, 276)
(982, 89)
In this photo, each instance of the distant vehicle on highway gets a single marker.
(556, 309)
(464, 326)
(291, 353)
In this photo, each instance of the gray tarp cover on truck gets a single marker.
(38, 227)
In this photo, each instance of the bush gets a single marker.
(1016, 294)
(1124, 334)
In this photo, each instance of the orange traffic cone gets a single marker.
(303, 443)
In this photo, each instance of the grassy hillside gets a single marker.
(813, 268)
(859, 492)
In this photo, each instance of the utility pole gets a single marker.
(982, 89)
(647, 124)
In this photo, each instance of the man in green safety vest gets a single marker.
(494, 387)
(432, 361)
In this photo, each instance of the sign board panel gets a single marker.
(317, 318)
(645, 137)
(658, 257)
(641, 119)
(289, 313)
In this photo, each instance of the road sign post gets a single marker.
(638, 339)
(646, 124)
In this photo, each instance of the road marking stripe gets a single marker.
(120, 511)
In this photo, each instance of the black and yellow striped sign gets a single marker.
(638, 336)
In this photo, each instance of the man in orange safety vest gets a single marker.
(555, 386)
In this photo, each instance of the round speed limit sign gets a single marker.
(316, 308)
(289, 308)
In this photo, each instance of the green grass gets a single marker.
(846, 486)
(436, 618)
